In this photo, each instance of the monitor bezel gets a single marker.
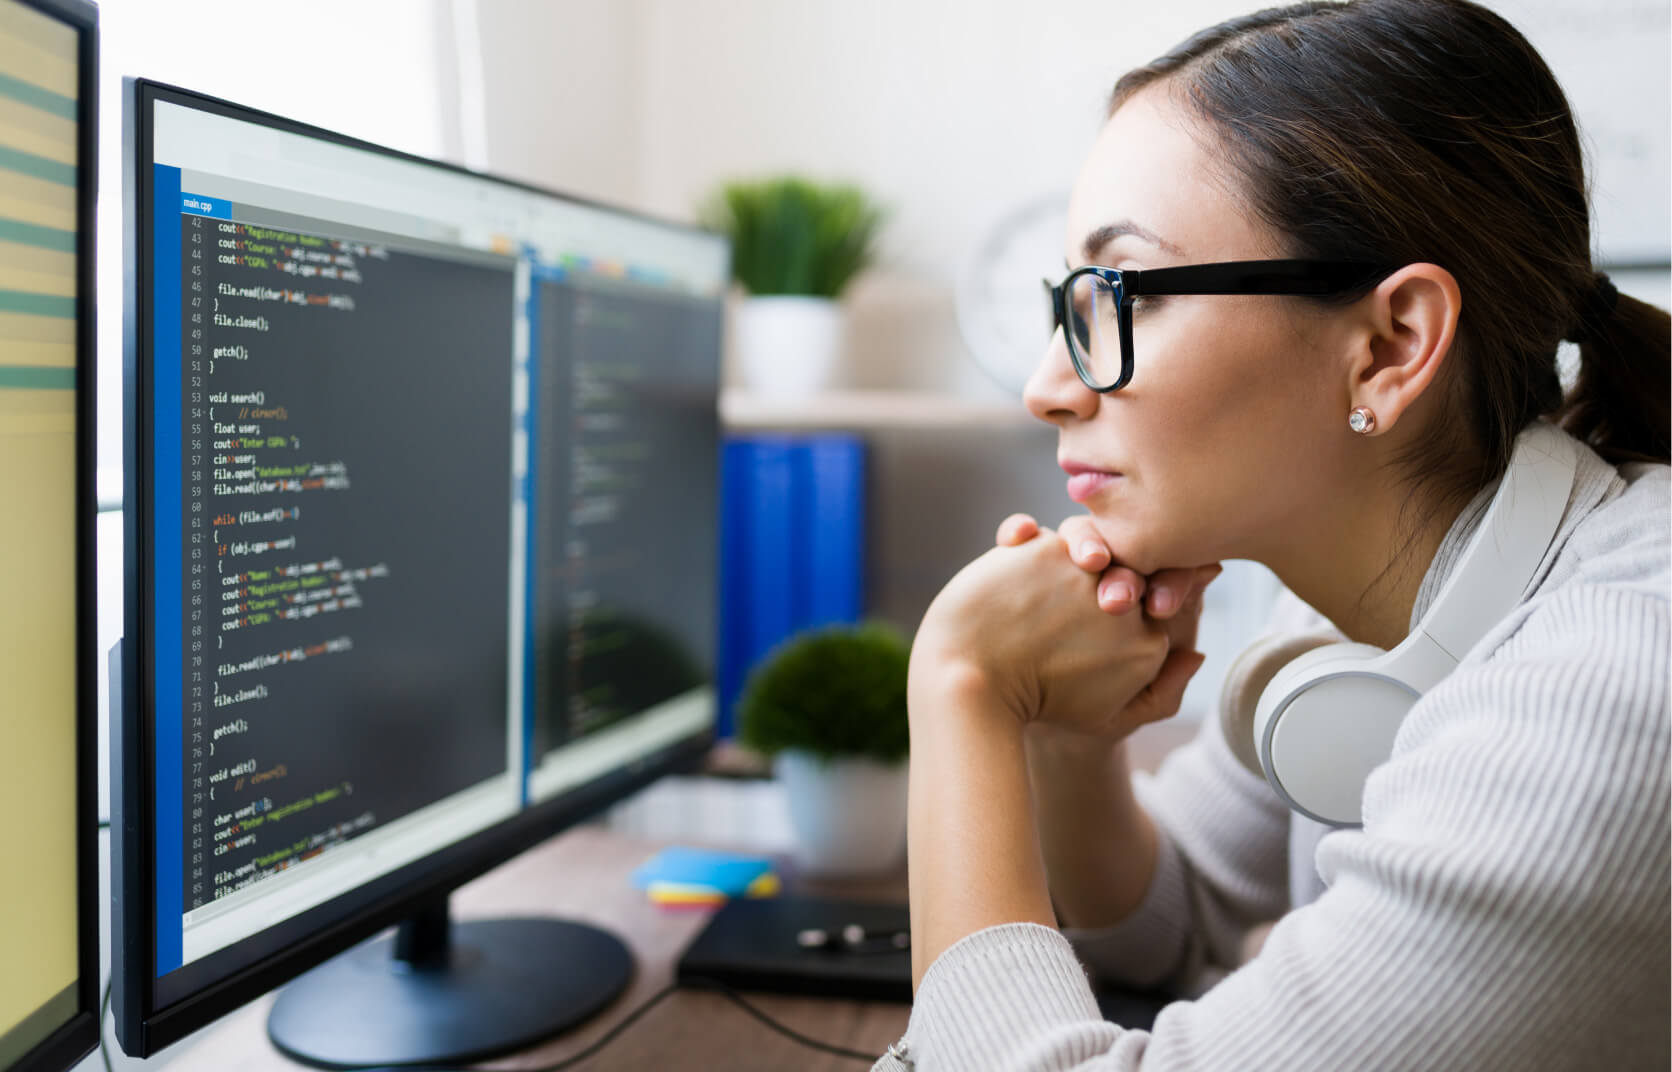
(143, 1024)
(76, 1037)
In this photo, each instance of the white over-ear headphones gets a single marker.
(1328, 718)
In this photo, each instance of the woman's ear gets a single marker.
(1411, 322)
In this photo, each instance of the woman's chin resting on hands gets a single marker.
(1024, 622)
(1042, 622)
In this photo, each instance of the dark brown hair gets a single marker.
(1404, 131)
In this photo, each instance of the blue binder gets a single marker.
(792, 542)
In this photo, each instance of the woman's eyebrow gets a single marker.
(1096, 240)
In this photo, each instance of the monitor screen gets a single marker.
(426, 553)
(48, 929)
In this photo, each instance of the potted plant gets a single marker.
(796, 245)
(830, 706)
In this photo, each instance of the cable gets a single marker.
(104, 1002)
(104, 1011)
(612, 1034)
(723, 989)
(727, 991)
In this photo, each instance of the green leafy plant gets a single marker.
(793, 236)
(834, 691)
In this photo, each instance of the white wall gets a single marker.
(563, 94)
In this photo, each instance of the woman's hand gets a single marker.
(1171, 596)
(1119, 590)
(1023, 625)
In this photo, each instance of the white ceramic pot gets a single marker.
(787, 345)
(849, 814)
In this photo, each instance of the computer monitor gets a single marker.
(421, 536)
(49, 907)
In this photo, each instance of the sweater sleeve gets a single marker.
(1505, 906)
(1222, 858)
(1221, 867)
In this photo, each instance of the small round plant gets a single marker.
(834, 692)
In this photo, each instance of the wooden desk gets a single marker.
(583, 874)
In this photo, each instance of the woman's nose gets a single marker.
(1054, 391)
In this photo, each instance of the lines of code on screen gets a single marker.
(345, 498)
(625, 544)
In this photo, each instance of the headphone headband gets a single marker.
(1496, 568)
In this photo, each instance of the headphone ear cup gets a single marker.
(1248, 677)
(1324, 722)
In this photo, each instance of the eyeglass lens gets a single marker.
(1093, 314)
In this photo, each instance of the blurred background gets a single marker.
(966, 120)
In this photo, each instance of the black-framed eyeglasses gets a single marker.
(1093, 305)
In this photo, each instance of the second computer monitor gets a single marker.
(49, 882)
(422, 537)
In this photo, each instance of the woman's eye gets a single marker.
(1147, 302)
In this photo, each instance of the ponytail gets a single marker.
(1619, 402)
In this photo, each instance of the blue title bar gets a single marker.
(218, 208)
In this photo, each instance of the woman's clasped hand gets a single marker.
(1043, 623)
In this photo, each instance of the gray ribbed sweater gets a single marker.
(1505, 905)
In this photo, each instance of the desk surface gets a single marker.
(583, 874)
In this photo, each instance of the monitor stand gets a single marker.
(444, 992)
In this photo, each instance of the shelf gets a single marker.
(870, 410)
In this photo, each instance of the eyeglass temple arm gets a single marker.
(1251, 277)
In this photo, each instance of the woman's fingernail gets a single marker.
(1119, 592)
(1165, 601)
(1090, 549)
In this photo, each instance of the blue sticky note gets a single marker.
(724, 872)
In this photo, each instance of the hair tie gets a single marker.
(1594, 310)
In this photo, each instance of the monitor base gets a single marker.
(441, 992)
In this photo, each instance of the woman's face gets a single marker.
(1228, 438)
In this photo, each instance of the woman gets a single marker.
(1505, 903)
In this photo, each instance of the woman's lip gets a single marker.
(1084, 484)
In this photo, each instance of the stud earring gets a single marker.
(1361, 420)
